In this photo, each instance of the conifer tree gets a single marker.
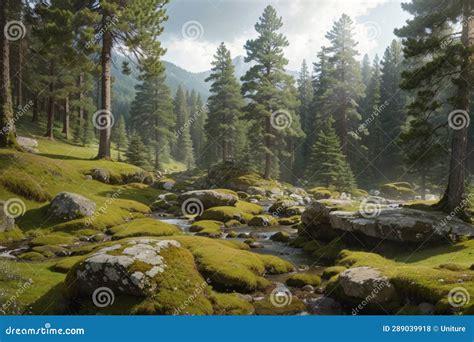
(137, 152)
(346, 82)
(183, 150)
(225, 104)
(119, 136)
(271, 93)
(448, 40)
(328, 165)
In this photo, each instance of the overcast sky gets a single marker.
(196, 27)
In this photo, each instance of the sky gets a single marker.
(196, 27)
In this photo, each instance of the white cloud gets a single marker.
(305, 25)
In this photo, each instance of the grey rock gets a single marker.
(101, 175)
(366, 283)
(28, 144)
(6, 222)
(255, 190)
(323, 306)
(209, 198)
(426, 308)
(69, 206)
(308, 288)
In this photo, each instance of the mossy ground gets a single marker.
(207, 228)
(302, 279)
(423, 276)
(143, 227)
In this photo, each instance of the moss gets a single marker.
(397, 191)
(303, 279)
(65, 264)
(143, 227)
(229, 267)
(12, 235)
(280, 237)
(266, 307)
(242, 195)
(417, 275)
(230, 304)
(50, 250)
(53, 239)
(263, 221)
(299, 241)
(22, 184)
(32, 256)
(289, 221)
(332, 271)
(224, 214)
(249, 208)
(359, 193)
(329, 251)
(162, 181)
(233, 223)
(207, 228)
(453, 267)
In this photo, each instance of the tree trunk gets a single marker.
(35, 109)
(19, 76)
(268, 155)
(423, 184)
(66, 118)
(7, 123)
(105, 131)
(455, 191)
(81, 108)
(50, 125)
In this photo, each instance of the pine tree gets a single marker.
(137, 153)
(198, 132)
(346, 82)
(271, 93)
(152, 113)
(135, 24)
(394, 100)
(305, 97)
(448, 40)
(119, 136)
(7, 123)
(183, 151)
(225, 104)
(328, 165)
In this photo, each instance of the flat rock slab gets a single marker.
(69, 206)
(402, 225)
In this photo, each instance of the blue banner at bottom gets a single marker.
(233, 328)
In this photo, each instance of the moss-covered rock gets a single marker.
(280, 237)
(225, 214)
(330, 272)
(303, 279)
(50, 250)
(230, 304)
(65, 264)
(399, 190)
(32, 256)
(263, 221)
(207, 228)
(210, 198)
(233, 223)
(53, 239)
(291, 306)
(289, 221)
(143, 227)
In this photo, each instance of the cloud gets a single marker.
(305, 25)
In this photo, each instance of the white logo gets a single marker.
(102, 297)
(192, 30)
(370, 208)
(192, 207)
(14, 30)
(458, 119)
(458, 297)
(103, 119)
(281, 119)
(280, 297)
(14, 207)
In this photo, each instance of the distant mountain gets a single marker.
(175, 76)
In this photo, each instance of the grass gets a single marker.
(143, 227)
(423, 276)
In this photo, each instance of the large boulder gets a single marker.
(69, 206)
(402, 225)
(28, 144)
(210, 198)
(128, 268)
(6, 221)
(367, 283)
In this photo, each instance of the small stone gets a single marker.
(308, 288)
